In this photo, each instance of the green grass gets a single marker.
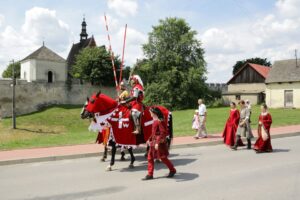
(61, 125)
(52, 127)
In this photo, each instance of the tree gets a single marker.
(239, 64)
(9, 70)
(93, 64)
(174, 68)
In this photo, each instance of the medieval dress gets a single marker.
(159, 134)
(263, 142)
(229, 133)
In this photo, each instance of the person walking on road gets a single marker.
(229, 133)
(244, 128)
(201, 133)
(158, 145)
(195, 121)
(263, 142)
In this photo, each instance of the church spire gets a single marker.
(83, 34)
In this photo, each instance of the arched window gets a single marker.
(50, 77)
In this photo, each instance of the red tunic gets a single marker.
(138, 103)
(159, 134)
(229, 133)
(260, 144)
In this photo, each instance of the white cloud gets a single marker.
(113, 23)
(220, 41)
(1, 19)
(274, 36)
(288, 8)
(134, 41)
(123, 8)
(40, 24)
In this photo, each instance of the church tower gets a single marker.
(83, 34)
(76, 48)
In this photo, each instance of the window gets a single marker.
(288, 98)
(238, 97)
(50, 77)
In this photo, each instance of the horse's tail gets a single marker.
(170, 129)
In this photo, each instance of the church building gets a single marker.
(76, 48)
(44, 65)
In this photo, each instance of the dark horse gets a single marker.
(107, 110)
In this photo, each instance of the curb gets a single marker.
(136, 151)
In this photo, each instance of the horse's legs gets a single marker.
(132, 158)
(122, 155)
(104, 153)
(112, 160)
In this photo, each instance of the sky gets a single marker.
(229, 30)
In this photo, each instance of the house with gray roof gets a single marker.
(44, 65)
(283, 84)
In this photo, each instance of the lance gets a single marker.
(122, 63)
(111, 55)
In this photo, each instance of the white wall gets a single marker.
(28, 66)
(59, 70)
(247, 87)
(275, 94)
(227, 98)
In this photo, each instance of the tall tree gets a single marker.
(9, 70)
(93, 64)
(174, 68)
(239, 64)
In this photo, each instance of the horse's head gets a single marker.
(98, 103)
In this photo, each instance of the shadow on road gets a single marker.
(159, 166)
(181, 177)
(280, 150)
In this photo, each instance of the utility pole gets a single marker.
(13, 95)
(296, 57)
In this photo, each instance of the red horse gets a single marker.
(105, 109)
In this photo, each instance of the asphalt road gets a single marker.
(211, 172)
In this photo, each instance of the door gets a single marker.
(50, 77)
(288, 98)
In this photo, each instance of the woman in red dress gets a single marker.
(231, 126)
(158, 144)
(263, 142)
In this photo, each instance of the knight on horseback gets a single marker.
(136, 101)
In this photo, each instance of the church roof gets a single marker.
(284, 71)
(76, 48)
(44, 53)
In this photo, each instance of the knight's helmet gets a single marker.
(138, 79)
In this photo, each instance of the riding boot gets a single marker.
(235, 146)
(248, 143)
